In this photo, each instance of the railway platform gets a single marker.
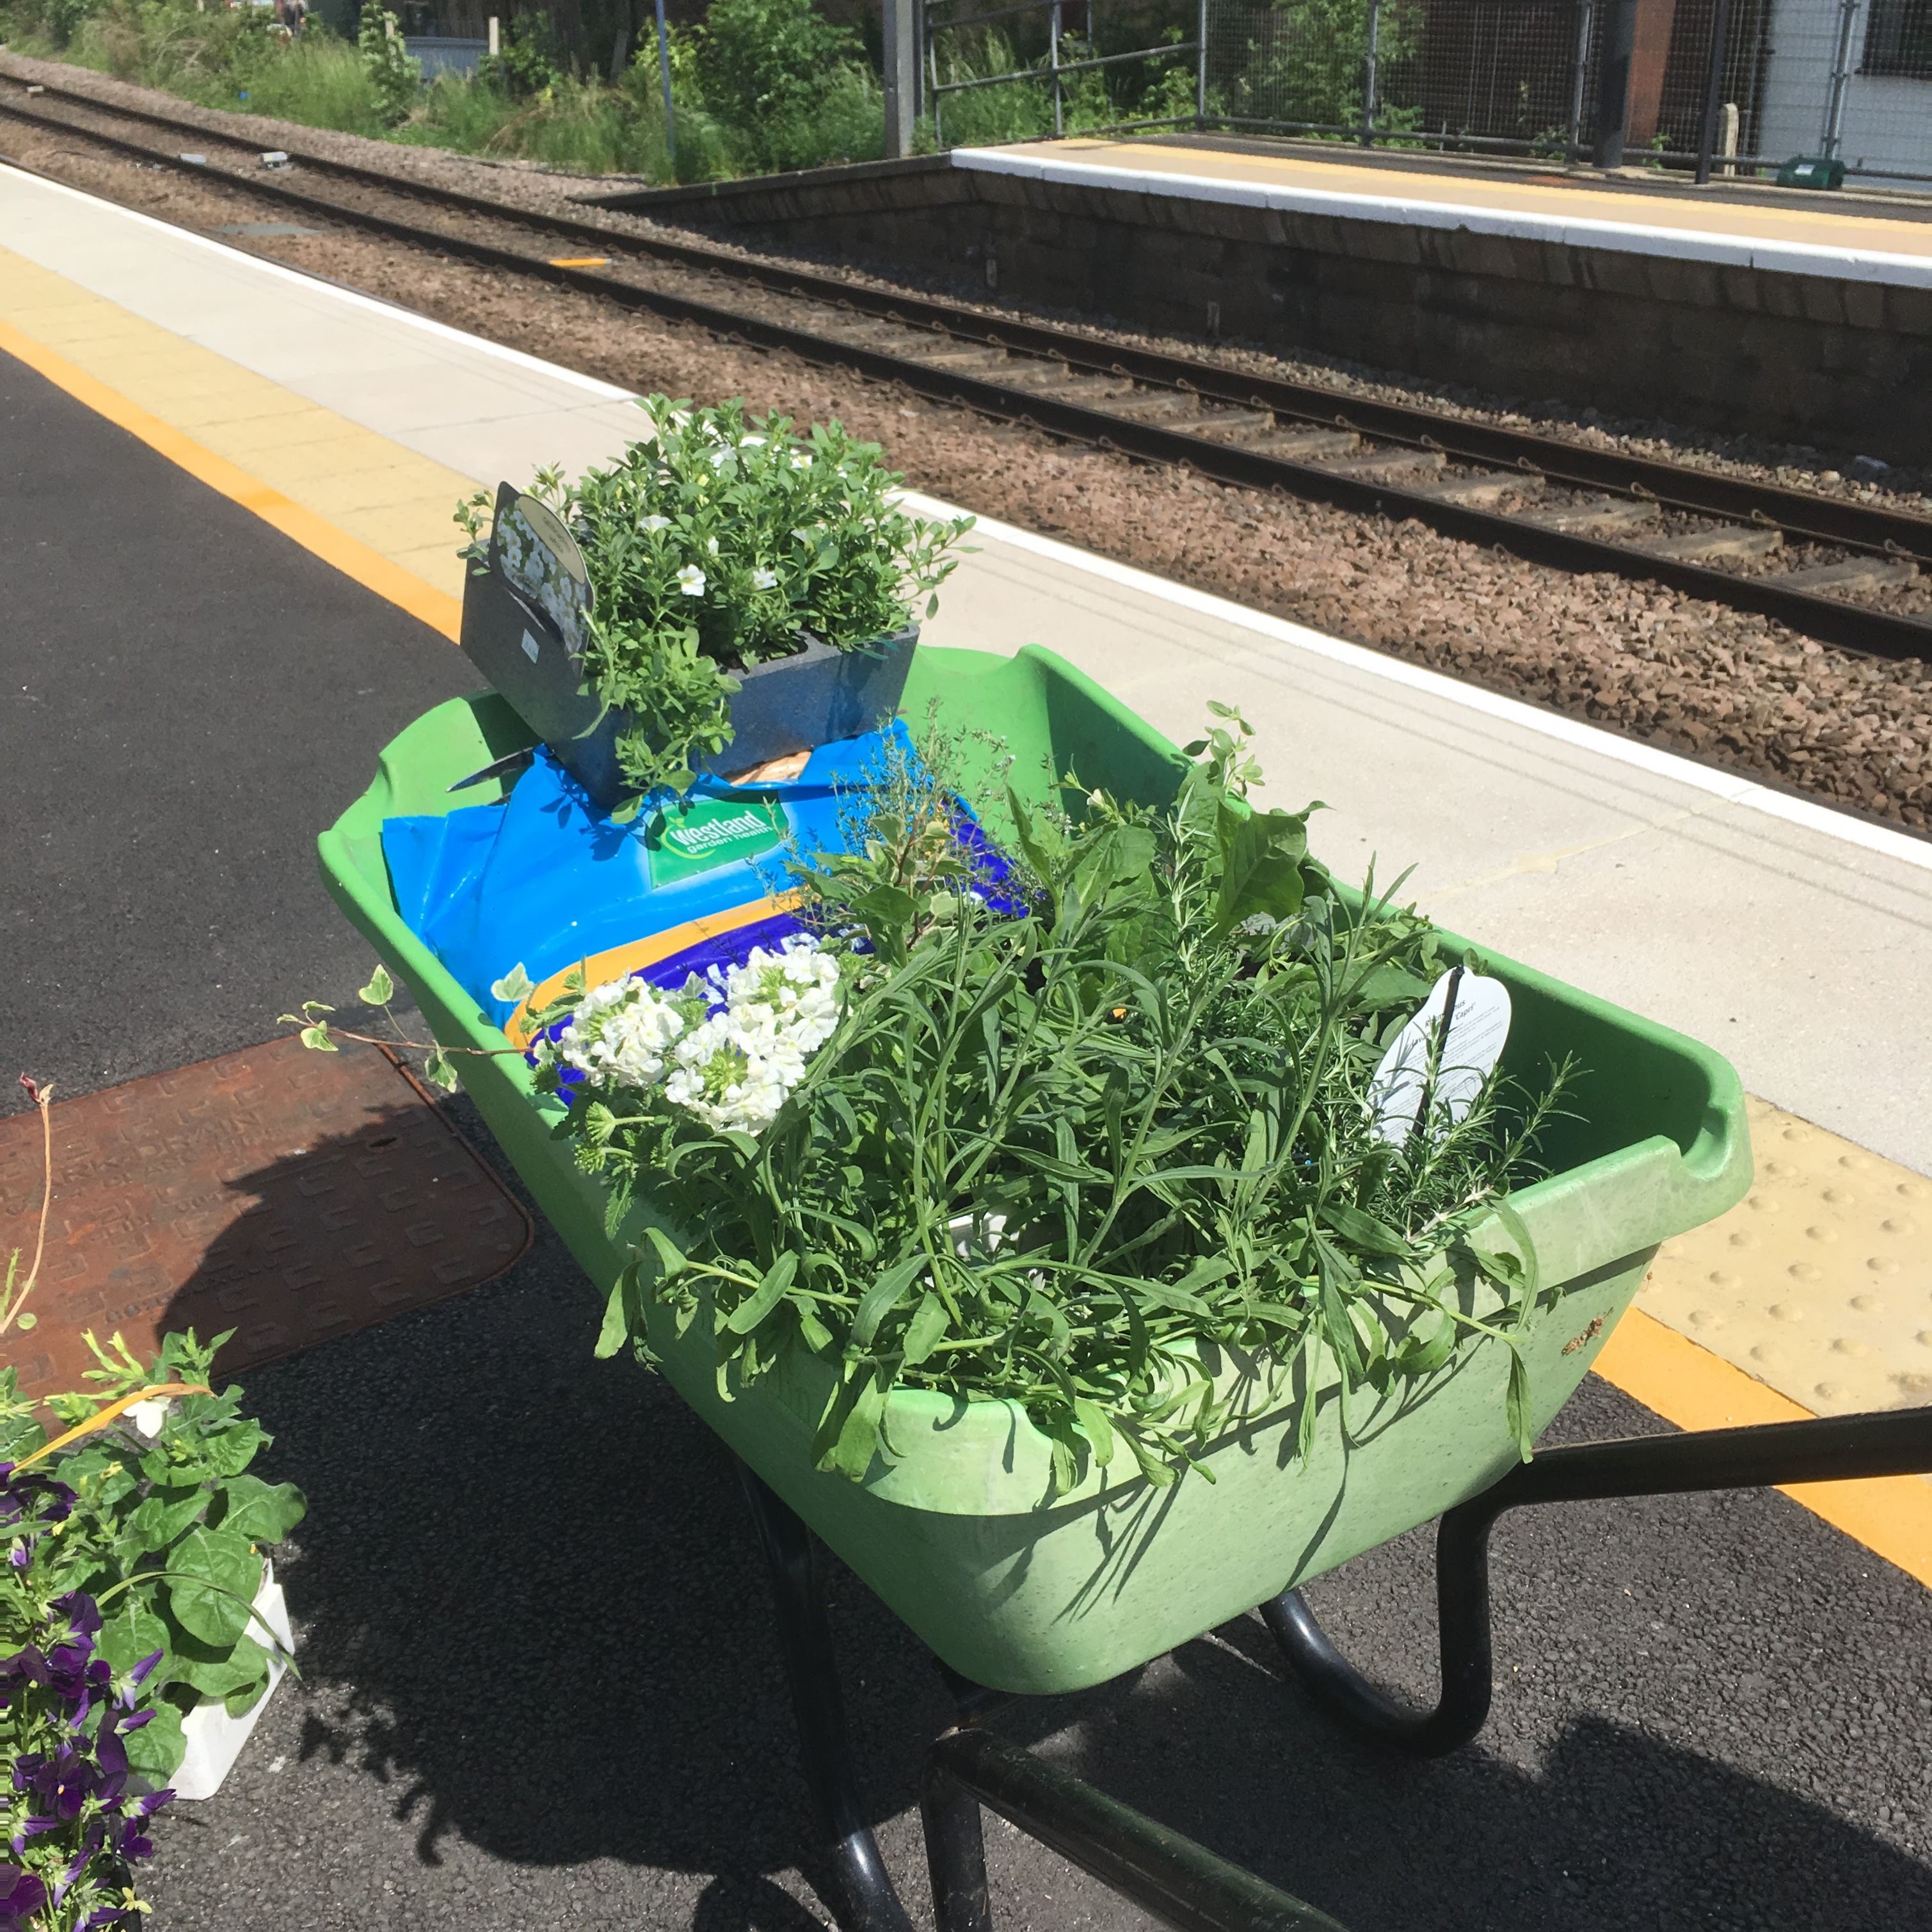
(1885, 238)
(160, 382)
(1802, 316)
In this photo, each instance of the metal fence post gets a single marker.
(1368, 75)
(664, 77)
(1714, 91)
(1053, 28)
(1579, 68)
(1613, 74)
(1200, 68)
(1841, 78)
(902, 60)
(931, 45)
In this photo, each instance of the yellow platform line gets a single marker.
(339, 489)
(1667, 1372)
(1670, 1374)
(315, 534)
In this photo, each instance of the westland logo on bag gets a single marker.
(707, 833)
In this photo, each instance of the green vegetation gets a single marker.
(1087, 1126)
(760, 86)
(1022, 110)
(763, 84)
(719, 541)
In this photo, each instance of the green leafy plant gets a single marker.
(720, 540)
(164, 1531)
(1079, 1148)
(529, 61)
(395, 75)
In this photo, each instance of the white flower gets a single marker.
(764, 579)
(751, 443)
(711, 544)
(149, 1417)
(723, 455)
(729, 1051)
(691, 580)
(619, 1033)
(651, 525)
(800, 460)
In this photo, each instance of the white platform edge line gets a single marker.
(1819, 818)
(1731, 789)
(592, 385)
(1800, 258)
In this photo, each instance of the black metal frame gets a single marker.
(1180, 1882)
(1834, 1449)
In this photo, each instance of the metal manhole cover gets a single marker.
(291, 1196)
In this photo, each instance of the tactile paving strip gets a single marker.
(1819, 1281)
(291, 1196)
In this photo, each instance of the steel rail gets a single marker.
(1875, 632)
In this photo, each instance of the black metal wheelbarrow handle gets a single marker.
(1180, 1882)
(1832, 1449)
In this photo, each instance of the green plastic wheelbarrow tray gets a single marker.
(958, 1532)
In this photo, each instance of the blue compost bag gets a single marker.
(545, 880)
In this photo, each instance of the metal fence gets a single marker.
(1061, 66)
(1730, 87)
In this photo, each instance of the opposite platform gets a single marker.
(1798, 233)
(1808, 321)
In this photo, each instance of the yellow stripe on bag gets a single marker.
(621, 961)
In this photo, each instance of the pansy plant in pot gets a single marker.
(133, 1534)
(728, 592)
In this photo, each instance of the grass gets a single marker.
(766, 85)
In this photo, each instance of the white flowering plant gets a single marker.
(1139, 1076)
(726, 1049)
(719, 541)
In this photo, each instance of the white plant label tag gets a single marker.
(534, 549)
(1462, 1027)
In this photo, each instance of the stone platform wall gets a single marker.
(1841, 363)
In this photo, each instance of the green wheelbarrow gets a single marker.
(1016, 1591)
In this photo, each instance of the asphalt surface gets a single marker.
(186, 699)
(540, 1688)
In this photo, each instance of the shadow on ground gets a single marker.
(536, 1640)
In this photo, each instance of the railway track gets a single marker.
(1539, 497)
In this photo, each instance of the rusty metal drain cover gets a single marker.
(291, 1196)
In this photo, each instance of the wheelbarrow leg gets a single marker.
(868, 1904)
(1832, 1449)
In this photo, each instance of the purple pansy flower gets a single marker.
(43, 1498)
(22, 1895)
(62, 1781)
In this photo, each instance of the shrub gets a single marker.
(530, 59)
(769, 70)
(395, 77)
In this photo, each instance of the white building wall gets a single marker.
(1888, 121)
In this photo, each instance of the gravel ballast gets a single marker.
(1727, 686)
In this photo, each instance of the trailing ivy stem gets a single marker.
(43, 1099)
